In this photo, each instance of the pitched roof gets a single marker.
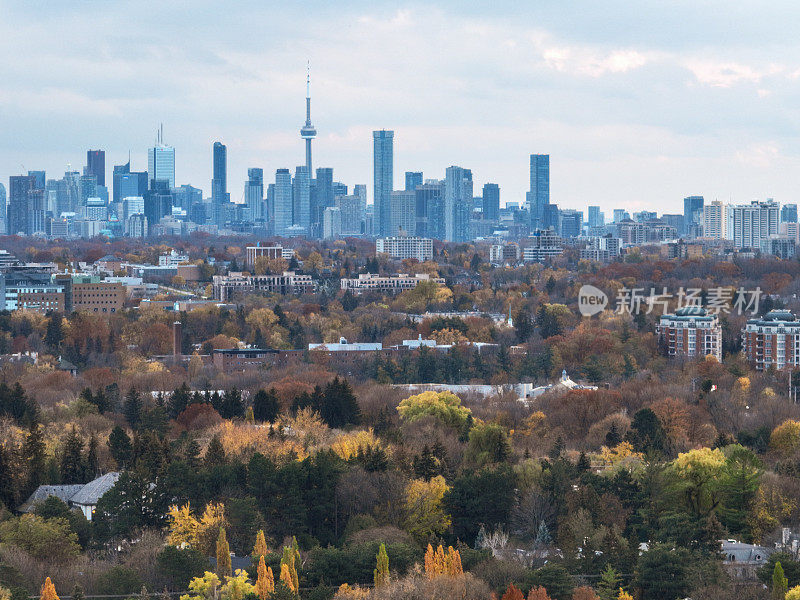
(43, 492)
(93, 491)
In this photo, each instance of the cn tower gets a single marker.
(307, 132)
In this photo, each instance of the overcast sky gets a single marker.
(638, 104)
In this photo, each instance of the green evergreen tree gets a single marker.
(265, 406)
(34, 454)
(119, 443)
(133, 408)
(609, 585)
(92, 460)
(780, 584)
(215, 453)
(180, 399)
(72, 468)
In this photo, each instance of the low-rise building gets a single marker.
(402, 247)
(545, 244)
(772, 340)
(501, 254)
(226, 287)
(89, 294)
(391, 284)
(691, 331)
(601, 248)
(253, 252)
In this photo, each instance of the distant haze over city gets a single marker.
(637, 108)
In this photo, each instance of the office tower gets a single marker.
(457, 204)
(132, 205)
(620, 214)
(307, 132)
(789, 213)
(129, 184)
(3, 209)
(752, 223)
(339, 189)
(96, 165)
(331, 223)
(539, 195)
(713, 220)
(674, 220)
(37, 211)
(186, 196)
(430, 209)
(594, 219)
(404, 212)
(283, 202)
(383, 173)
(161, 163)
(491, 202)
(20, 188)
(254, 194)
(413, 179)
(570, 223)
(39, 179)
(301, 200)
(219, 182)
(321, 198)
(136, 226)
(352, 214)
(692, 214)
(360, 190)
(157, 202)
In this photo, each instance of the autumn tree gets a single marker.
(223, 555)
(265, 582)
(424, 514)
(381, 572)
(584, 593)
(260, 548)
(444, 406)
(48, 591)
(440, 563)
(537, 592)
(512, 593)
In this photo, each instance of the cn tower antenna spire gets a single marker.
(307, 132)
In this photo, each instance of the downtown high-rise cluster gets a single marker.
(304, 202)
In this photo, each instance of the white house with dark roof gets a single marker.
(80, 496)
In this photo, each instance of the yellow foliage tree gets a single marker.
(445, 406)
(237, 586)
(622, 452)
(424, 514)
(260, 549)
(184, 528)
(265, 583)
(48, 591)
(347, 444)
(440, 563)
(623, 595)
(785, 438)
(224, 567)
(793, 594)
(203, 588)
(286, 577)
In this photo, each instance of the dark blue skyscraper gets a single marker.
(219, 184)
(96, 165)
(491, 202)
(692, 214)
(789, 213)
(413, 179)
(20, 189)
(383, 171)
(539, 196)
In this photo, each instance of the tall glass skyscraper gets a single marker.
(491, 202)
(413, 179)
(282, 206)
(96, 165)
(539, 196)
(383, 163)
(457, 204)
(254, 193)
(301, 198)
(161, 164)
(692, 214)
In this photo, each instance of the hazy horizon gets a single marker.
(637, 107)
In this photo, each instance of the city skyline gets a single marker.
(617, 110)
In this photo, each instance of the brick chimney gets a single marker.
(177, 337)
